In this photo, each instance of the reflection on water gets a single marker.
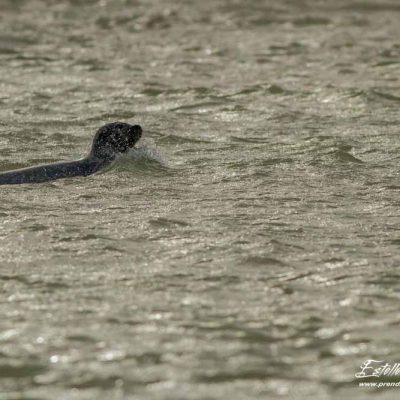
(248, 248)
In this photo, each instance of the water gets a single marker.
(249, 248)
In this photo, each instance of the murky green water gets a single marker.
(250, 248)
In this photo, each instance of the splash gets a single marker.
(146, 157)
(147, 151)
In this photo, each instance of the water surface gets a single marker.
(250, 248)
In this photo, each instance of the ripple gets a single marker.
(262, 260)
(344, 156)
(386, 96)
(166, 222)
(309, 21)
(200, 107)
(14, 370)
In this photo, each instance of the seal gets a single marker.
(109, 141)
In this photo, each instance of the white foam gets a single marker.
(147, 150)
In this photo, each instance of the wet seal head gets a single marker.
(109, 141)
(114, 138)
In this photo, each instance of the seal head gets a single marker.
(109, 141)
(114, 138)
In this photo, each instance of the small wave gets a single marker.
(386, 95)
(343, 156)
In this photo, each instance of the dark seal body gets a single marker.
(109, 141)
